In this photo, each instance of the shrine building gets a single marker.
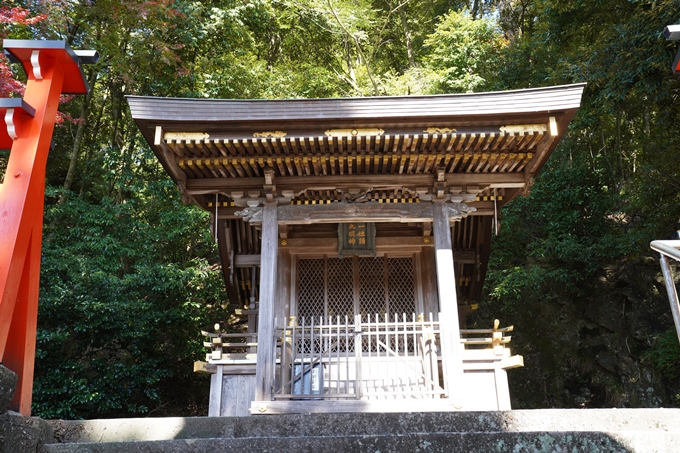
(354, 234)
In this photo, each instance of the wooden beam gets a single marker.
(204, 367)
(357, 212)
(482, 208)
(330, 245)
(226, 250)
(465, 256)
(264, 370)
(345, 182)
(448, 301)
(247, 260)
(382, 244)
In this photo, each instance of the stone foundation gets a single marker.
(19, 434)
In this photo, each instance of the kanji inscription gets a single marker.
(356, 238)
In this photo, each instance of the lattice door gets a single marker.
(340, 287)
(311, 294)
(372, 291)
(348, 286)
(401, 287)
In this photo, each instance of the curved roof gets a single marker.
(480, 148)
(531, 100)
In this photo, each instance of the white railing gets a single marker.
(367, 358)
(337, 358)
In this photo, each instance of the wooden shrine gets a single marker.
(354, 234)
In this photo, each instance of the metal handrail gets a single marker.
(670, 249)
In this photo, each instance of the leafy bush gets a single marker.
(126, 288)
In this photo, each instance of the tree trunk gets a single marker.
(476, 6)
(407, 37)
(84, 111)
(618, 147)
(93, 139)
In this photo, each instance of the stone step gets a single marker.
(535, 442)
(553, 430)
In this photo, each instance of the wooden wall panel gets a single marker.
(237, 393)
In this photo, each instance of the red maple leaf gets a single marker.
(9, 86)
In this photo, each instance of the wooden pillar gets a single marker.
(448, 300)
(429, 279)
(502, 388)
(282, 307)
(266, 349)
(216, 386)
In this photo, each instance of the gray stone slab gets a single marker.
(19, 434)
(301, 425)
(8, 385)
(535, 442)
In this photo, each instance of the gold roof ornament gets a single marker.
(515, 128)
(440, 130)
(268, 134)
(365, 132)
(185, 136)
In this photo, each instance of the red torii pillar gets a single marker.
(53, 69)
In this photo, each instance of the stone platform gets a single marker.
(551, 430)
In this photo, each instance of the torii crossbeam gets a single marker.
(53, 69)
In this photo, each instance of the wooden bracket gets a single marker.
(17, 115)
(427, 229)
(529, 182)
(440, 183)
(269, 186)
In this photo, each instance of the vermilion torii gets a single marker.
(672, 32)
(53, 69)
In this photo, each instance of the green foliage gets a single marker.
(554, 243)
(126, 289)
(463, 51)
(611, 186)
(665, 354)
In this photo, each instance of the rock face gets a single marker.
(613, 345)
(19, 434)
(8, 384)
